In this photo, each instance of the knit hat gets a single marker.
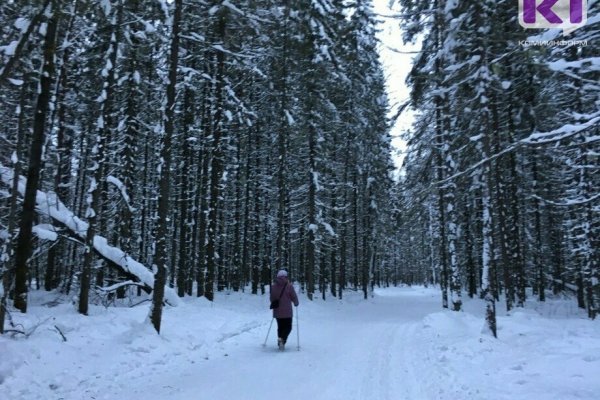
(282, 273)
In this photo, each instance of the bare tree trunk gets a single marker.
(282, 189)
(333, 255)
(7, 252)
(256, 278)
(205, 163)
(488, 274)
(237, 275)
(312, 211)
(246, 271)
(185, 197)
(104, 125)
(355, 220)
(131, 146)
(537, 227)
(216, 169)
(160, 258)
(366, 234)
(24, 239)
(470, 262)
(344, 223)
(64, 139)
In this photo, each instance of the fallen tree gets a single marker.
(48, 204)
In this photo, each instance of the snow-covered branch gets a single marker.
(49, 205)
(14, 49)
(564, 132)
(118, 285)
(122, 189)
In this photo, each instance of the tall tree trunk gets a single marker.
(256, 235)
(237, 275)
(355, 223)
(206, 154)
(7, 250)
(440, 144)
(24, 239)
(64, 148)
(186, 196)
(104, 125)
(441, 212)
(537, 228)
(160, 258)
(488, 274)
(246, 270)
(284, 118)
(312, 210)
(472, 283)
(344, 229)
(333, 250)
(129, 150)
(514, 229)
(499, 189)
(216, 169)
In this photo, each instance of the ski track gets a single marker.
(408, 382)
(397, 345)
(358, 351)
(376, 383)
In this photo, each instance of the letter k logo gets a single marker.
(567, 15)
(545, 8)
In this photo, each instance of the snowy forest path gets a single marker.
(362, 350)
(396, 345)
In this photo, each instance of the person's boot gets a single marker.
(280, 343)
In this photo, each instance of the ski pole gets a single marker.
(269, 331)
(297, 329)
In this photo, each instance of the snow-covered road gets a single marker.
(345, 353)
(356, 351)
(396, 345)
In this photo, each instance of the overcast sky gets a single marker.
(397, 66)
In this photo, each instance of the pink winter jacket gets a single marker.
(287, 298)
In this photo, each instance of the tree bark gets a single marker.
(24, 239)
(104, 124)
(160, 258)
(216, 169)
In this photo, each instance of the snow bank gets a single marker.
(533, 357)
(113, 350)
(396, 344)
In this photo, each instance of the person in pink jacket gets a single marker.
(283, 291)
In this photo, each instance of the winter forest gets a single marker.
(156, 153)
(211, 142)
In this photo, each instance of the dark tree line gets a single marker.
(500, 191)
(188, 147)
(191, 147)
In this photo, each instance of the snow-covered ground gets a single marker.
(395, 345)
